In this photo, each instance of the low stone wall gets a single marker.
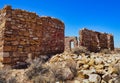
(25, 33)
(95, 41)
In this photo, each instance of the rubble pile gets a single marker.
(68, 67)
(92, 68)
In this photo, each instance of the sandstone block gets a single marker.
(7, 48)
(7, 60)
(94, 78)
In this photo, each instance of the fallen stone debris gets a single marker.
(69, 67)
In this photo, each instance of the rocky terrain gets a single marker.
(69, 67)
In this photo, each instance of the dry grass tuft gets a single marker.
(79, 50)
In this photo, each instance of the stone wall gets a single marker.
(68, 41)
(95, 41)
(2, 27)
(25, 33)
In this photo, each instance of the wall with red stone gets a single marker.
(68, 41)
(27, 33)
(95, 41)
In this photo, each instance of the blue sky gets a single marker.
(99, 15)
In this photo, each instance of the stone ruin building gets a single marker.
(70, 42)
(94, 41)
(24, 33)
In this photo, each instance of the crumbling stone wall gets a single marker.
(95, 41)
(2, 26)
(68, 41)
(25, 33)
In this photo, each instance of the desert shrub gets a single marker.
(39, 79)
(34, 70)
(40, 58)
(79, 50)
(12, 80)
(4, 71)
(43, 79)
(64, 70)
(59, 74)
(2, 76)
(2, 80)
(39, 72)
(105, 51)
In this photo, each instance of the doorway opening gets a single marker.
(72, 45)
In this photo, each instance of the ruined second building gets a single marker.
(93, 40)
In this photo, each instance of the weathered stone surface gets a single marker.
(94, 78)
(23, 31)
(107, 77)
(95, 41)
(95, 68)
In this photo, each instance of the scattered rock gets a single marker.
(94, 78)
(68, 68)
(106, 77)
(86, 81)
